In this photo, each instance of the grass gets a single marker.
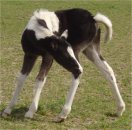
(93, 105)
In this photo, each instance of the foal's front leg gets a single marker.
(40, 81)
(76, 74)
(69, 100)
(28, 63)
(37, 91)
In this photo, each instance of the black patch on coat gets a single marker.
(80, 24)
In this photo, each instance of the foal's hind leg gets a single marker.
(40, 81)
(92, 54)
(28, 63)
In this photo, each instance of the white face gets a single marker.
(71, 53)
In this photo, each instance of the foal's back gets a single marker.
(80, 24)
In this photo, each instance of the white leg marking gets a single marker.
(19, 85)
(109, 75)
(37, 91)
(116, 92)
(69, 100)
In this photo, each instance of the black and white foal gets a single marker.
(61, 35)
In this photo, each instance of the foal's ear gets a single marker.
(65, 34)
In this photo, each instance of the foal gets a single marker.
(61, 35)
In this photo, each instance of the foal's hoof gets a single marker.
(120, 110)
(4, 114)
(29, 115)
(59, 119)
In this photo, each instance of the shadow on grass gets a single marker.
(111, 115)
(17, 114)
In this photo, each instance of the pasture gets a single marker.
(93, 107)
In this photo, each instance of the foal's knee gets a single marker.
(77, 72)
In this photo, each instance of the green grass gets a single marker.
(93, 104)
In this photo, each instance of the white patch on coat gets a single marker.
(20, 81)
(51, 20)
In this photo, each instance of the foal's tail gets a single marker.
(107, 22)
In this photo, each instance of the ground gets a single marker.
(93, 107)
